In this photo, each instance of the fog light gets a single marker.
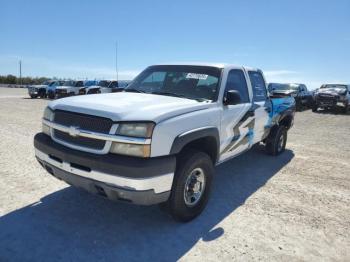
(131, 149)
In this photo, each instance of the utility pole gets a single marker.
(116, 58)
(20, 72)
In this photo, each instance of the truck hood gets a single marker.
(129, 106)
(92, 87)
(37, 86)
(284, 92)
(63, 87)
(331, 91)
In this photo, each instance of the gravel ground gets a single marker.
(292, 207)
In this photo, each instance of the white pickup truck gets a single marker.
(159, 140)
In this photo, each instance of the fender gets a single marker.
(286, 114)
(182, 140)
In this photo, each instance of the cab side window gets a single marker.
(258, 86)
(236, 81)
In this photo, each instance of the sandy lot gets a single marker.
(288, 208)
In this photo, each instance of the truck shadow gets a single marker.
(70, 224)
(336, 111)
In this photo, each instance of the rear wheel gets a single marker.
(33, 96)
(346, 109)
(276, 141)
(191, 186)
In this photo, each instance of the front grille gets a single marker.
(61, 91)
(80, 141)
(82, 121)
(86, 122)
(327, 99)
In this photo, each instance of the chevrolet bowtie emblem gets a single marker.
(74, 131)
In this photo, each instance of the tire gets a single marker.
(33, 96)
(51, 95)
(346, 109)
(181, 206)
(314, 108)
(41, 94)
(276, 141)
(298, 105)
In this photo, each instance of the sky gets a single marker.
(291, 41)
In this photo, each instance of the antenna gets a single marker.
(116, 58)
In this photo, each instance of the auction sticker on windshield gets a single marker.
(196, 76)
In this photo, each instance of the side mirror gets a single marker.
(232, 97)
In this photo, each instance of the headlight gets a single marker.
(140, 130)
(131, 149)
(48, 114)
(143, 130)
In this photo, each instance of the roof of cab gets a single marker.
(219, 65)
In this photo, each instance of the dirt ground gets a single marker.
(288, 208)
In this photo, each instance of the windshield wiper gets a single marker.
(169, 94)
(179, 95)
(133, 90)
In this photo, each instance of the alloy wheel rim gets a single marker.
(194, 187)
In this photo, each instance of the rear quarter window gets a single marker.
(258, 86)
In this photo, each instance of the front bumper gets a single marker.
(32, 92)
(330, 101)
(130, 179)
(60, 94)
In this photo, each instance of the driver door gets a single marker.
(236, 119)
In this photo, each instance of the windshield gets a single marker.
(334, 86)
(113, 84)
(103, 83)
(79, 84)
(90, 83)
(192, 82)
(283, 87)
(68, 83)
(58, 83)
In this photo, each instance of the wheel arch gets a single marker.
(204, 139)
(286, 120)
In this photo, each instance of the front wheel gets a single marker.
(314, 108)
(191, 186)
(276, 141)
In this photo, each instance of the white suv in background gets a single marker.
(69, 88)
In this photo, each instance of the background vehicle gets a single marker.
(159, 140)
(115, 86)
(51, 88)
(302, 96)
(102, 85)
(87, 83)
(331, 96)
(70, 88)
(35, 91)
